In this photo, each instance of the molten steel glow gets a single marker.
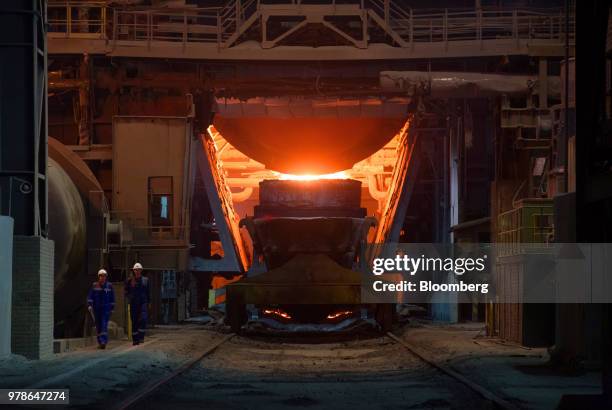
(309, 177)
(277, 312)
(336, 315)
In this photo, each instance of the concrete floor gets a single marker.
(253, 373)
(520, 375)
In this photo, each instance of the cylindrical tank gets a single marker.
(67, 229)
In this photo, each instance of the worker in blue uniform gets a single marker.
(137, 294)
(100, 303)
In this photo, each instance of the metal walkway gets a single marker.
(304, 30)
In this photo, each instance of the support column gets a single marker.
(32, 313)
(23, 109)
(543, 83)
(6, 280)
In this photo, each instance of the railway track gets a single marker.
(153, 387)
(484, 392)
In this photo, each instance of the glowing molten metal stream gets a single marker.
(312, 177)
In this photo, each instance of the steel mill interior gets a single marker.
(244, 163)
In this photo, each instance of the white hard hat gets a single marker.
(102, 272)
(137, 266)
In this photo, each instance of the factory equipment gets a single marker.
(300, 135)
(303, 240)
(67, 228)
(310, 235)
(78, 222)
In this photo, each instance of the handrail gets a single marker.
(95, 19)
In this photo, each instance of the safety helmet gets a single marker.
(137, 266)
(102, 272)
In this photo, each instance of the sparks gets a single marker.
(277, 312)
(336, 315)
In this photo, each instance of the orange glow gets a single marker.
(277, 312)
(308, 145)
(312, 177)
(336, 315)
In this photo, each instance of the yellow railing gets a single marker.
(78, 19)
(527, 228)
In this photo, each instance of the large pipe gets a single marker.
(444, 84)
(373, 189)
(242, 195)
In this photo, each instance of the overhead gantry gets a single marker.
(298, 30)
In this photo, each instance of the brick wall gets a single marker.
(32, 315)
